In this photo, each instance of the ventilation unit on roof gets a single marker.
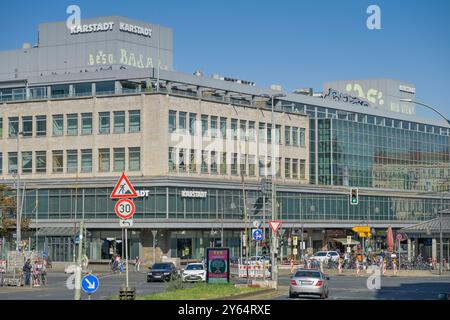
(276, 87)
(304, 91)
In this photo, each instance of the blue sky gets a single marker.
(301, 43)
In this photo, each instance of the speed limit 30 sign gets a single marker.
(125, 208)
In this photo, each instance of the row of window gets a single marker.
(73, 124)
(214, 126)
(213, 162)
(72, 160)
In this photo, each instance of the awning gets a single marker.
(344, 241)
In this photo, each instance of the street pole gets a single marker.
(246, 225)
(18, 224)
(221, 232)
(126, 257)
(78, 269)
(274, 199)
(441, 245)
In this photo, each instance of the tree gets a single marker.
(8, 212)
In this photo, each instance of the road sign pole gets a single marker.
(78, 268)
(126, 256)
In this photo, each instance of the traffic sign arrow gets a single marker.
(275, 225)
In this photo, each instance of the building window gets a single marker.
(27, 126)
(234, 128)
(287, 168)
(134, 159)
(262, 132)
(294, 168)
(58, 161)
(287, 135)
(213, 162)
(103, 122)
(104, 160)
(213, 126)
(243, 165)
(119, 121)
(261, 166)
(1, 163)
(243, 127)
(181, 160)
(251, 165)
(119, 159)
(13, 126)
(251, 130)
(204, 167)
(223, 127)
(1, 128)
(182, 121)
(41, 161)
(278, 134)
(234, 164)
(278, 167)
(86, 160)
(41, 126)
(302, 137)
(72, 161)
(172, 121)
(12, 162)
(72, 124)
(192, 123)
(223, 163)
(134, 120)
(58, 125)
(171, 160)
(295, 136)
(86, 123)
(302, 169)
(192, 161)
(204, 125)
(269, 133)
(27, 162)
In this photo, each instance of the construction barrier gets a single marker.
(255, 270)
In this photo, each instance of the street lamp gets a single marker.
(18, 215)
(426, 106)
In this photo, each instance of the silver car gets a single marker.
(309, 282)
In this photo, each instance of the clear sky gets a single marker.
(301, 43)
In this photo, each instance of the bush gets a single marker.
(175, 284)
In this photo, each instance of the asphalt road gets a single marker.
(57, 288)
(391, 288)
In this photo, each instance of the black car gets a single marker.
(165, 271)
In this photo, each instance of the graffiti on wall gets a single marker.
(372, 95)
(343, 97)
(125, 58)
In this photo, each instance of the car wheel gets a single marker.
(149, 280)
(323, 295)
(292, 295)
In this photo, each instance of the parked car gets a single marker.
(325, 256)
(165, 271)
(194, 272)
(309, 282)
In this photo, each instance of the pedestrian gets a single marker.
(340, 261)
(44, 273)
(27, 271)
(292, 266)
(394, 266)
(36, 274)
(137, 264)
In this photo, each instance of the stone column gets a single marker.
(409, 250)
(433, 249)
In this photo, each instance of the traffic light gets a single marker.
(354, 196)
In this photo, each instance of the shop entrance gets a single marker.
(110, 247)
(184, 248)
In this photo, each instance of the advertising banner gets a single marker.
(218, 262)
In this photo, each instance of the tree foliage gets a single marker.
(8, 212)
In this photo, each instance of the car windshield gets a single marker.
(194, 267)
(333, 254)
(307, 274)
(321, 254)
(161, 266)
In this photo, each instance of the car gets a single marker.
(308, 282)
(164, 271)
(325, 256)
(194, 272)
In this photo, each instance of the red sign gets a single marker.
(125, 208)
(275, 224)
(123, 189)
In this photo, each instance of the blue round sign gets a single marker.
(257, 234)
(89, 283)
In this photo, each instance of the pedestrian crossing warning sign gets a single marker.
(123, 189)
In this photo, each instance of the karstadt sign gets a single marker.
(109, 26)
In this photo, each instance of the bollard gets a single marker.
(127, 293)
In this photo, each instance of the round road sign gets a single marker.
(125, 208)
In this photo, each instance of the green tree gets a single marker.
(8, 212)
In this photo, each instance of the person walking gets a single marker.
(340, 262)
(137, 264)
(292, 266)
(27, 271)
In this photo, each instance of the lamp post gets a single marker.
(273, 173)
(18, 215)
(441, 246)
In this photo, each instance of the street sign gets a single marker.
(275, 224)
(125, 208)
(399, 237)
(295, 239)
(123, 189)
(361, 229)
(257, 234)
(126, 223)
(89, 283)
(349, 240)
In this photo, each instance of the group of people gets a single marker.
(35, 273)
